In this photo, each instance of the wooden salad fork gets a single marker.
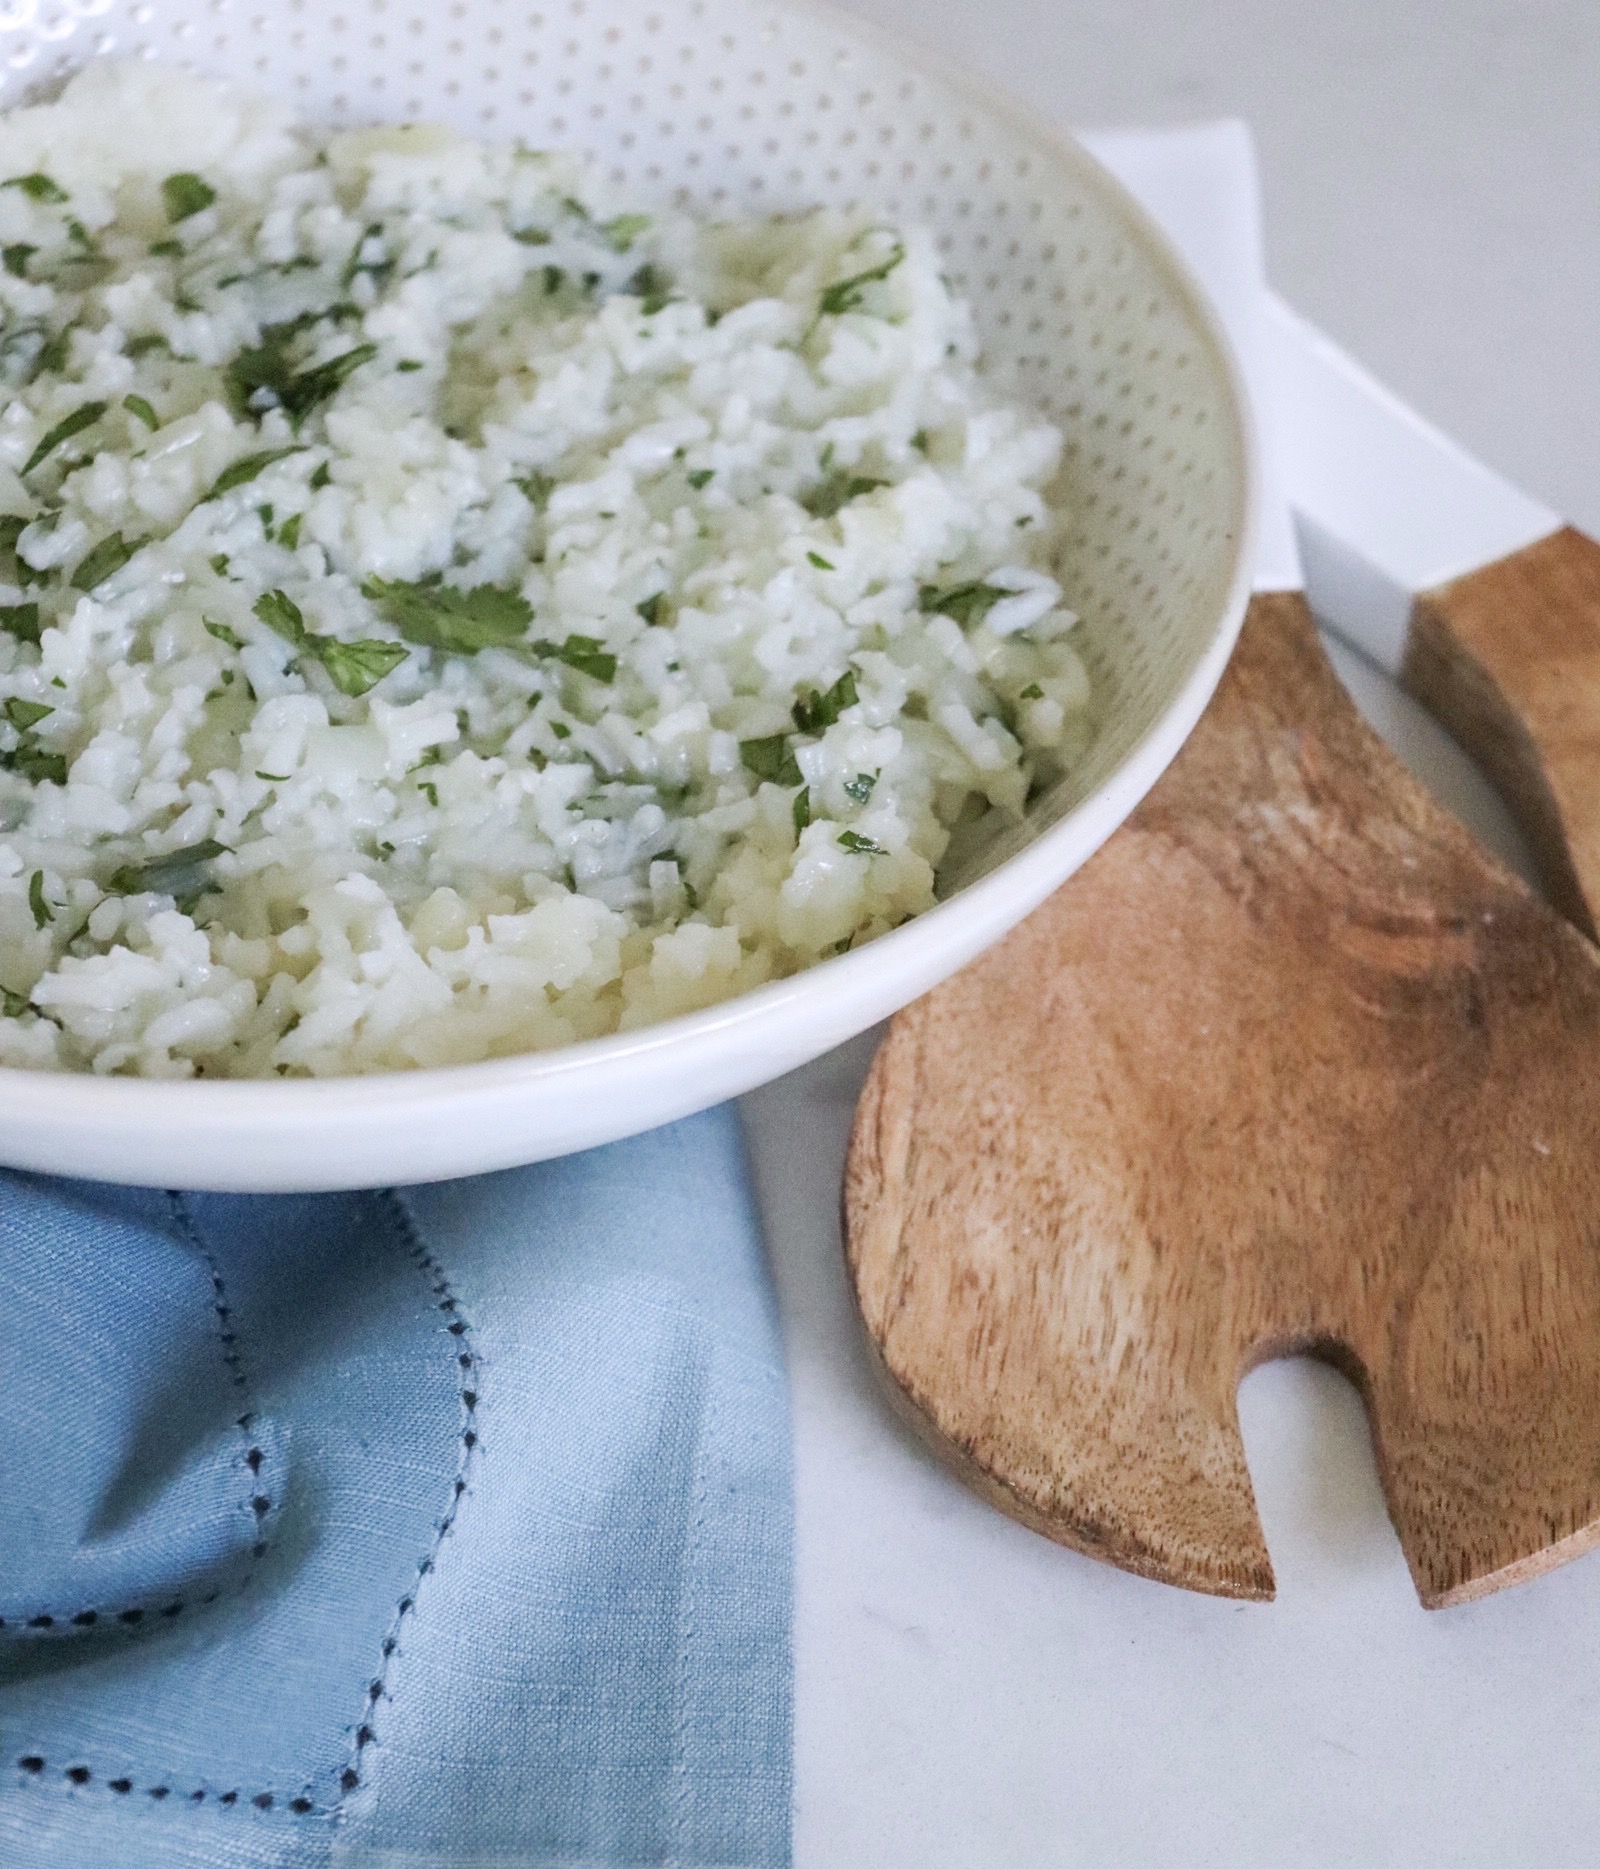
(1291, 1064)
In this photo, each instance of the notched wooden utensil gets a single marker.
(1292, 1064)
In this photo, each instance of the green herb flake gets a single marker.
(182, 874)
(25, 714)
(535, 488)
(652, 286)
(320, 478)
(1033, 692)
(819, 561)
(168, 249)
(21, 621)
(860, 846)
(443, 617)
(654, 610)
(702, 477)
(144, 343)
(222, 632)
(244, 470)
(16, 1004)
(43, 914)
(103, 560)
(185, 194)
(584, 653)
(267, 368)
(846, 295)
(965, 603)
(84, 416)
(814, 712)
(54, 355)
(16, 258)
(430, 791)
(34, 763)
(354, 667)
(274, 778)
(37, 187)
(770, 759)
(838, 490)
(136, 405)
(801, 811)
(283, 616)
(561, 730)
(624, 229)
(860, 787)
(554, 279)
(919, 441)
(219, 563)
(530, 236)
(408, 364)
(289, 532)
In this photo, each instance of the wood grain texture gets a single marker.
(1292, 1064)
(1508, 658)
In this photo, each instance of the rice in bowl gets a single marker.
(446, 613)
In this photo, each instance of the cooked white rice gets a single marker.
(763, 604)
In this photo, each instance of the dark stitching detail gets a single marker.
(466, 1359)
(35, 1765)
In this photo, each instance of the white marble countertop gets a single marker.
(967, 1693)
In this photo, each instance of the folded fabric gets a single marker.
(448, 1526)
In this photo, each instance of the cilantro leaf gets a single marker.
(43, 914)
(244, 470)
(828, 496)
(770, 759)
(146, 342)
(860, 787)
(34, 763)
(175, 873)
(16, 1004)
(16, 257)
(860, 846)
(846, 295)
(354, 667)
(185, 194)
(25, 714)
(443, 617)
(654, 610)
(624, 229)
(583, 653)
(701, 477)
(822, 564)
(21, 621)
(814, 712)
(283, 616)
(801, 812)
(966, 603)
(104, 559)
(269, 368)
(37, 187)
(222, 633)
(84, 416)
(137, 405)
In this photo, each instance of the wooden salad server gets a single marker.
(1291, 1065)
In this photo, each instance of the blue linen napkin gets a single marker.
(448, 1526)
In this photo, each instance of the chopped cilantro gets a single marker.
(146, 342)
(770, 759)
(377, 269)
(860, 787)
(536, 488)
(554, 279)
(574, 206)
(289, 532)
(965, 603)
(813, 712)
(84, 416)
(268, 370)
(846, 295)
(34, 763)
(624, 229)
(354, 667)
(244, 470)
(561, 730)
(408, 364)
(583, 653)
(55, 352)
(654, 610)
(16, 258)
(102, 560)
(273, 778)
(43, 914)
(1033, 692)
(828, 496)
(321, 476)
(283, 616)
(185, 194)
(819, 561)
(800, 813)
(25, 714)
(430, 791)
(443, 617)
(222, 633)
(16, 1004)
(651, 285)
(178, 873)
(919, 441)
(219, 563)
(860, 846)
(21, 621)
(531, 236)
(702, 477)
(136, 405)
(169, 249)
(12, 527)
(37, 187)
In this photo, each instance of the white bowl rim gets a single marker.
(269, 1103)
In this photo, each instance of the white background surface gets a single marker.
(969, 1694)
